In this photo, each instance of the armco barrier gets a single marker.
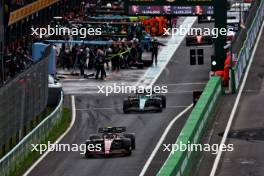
(245, 52)
(179, 162)
(22, 150)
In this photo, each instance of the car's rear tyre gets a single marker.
(129, 153)
(87, 155)
(159, 110)
(133, 140)
(163, 100)
(125, 111)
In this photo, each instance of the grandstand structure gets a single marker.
(23, 95)
(1, 40)
(17, 18)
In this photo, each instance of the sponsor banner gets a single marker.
(29, 9)
(172, 10)
(169, 2)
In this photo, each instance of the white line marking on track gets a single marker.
(58, 140)
(165, 55)
(232, 115)
(110, 108)
(147, 164)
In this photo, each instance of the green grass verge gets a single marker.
(53, 136)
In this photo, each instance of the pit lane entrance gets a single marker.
(215, 8)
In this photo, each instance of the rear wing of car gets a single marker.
(198, 40)
(112, 130)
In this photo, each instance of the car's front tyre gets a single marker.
(133, 140)
(125, 106)
(127, 146)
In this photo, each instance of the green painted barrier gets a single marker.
(180, 161)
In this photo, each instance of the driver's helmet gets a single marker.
(109, 136)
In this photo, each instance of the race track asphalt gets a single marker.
(246, 133)
(94, 111)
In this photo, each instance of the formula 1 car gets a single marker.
(141, 102)
(205, 19)
(198, 40)
(112, 141)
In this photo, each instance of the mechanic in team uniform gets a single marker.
(99, 64)
(133, 53)
(82, 61)
(155, 50)
(116, 58)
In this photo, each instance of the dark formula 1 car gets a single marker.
(141, 102)
(205, 19)
(199, 40)
(112, 141)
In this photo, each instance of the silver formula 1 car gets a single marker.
(142, 102)
(112, 141)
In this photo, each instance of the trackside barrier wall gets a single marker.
(179, 162)
(23, 98)
(16, 156)
(245, 52)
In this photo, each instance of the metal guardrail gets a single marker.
(245, 52)
(22, 150)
